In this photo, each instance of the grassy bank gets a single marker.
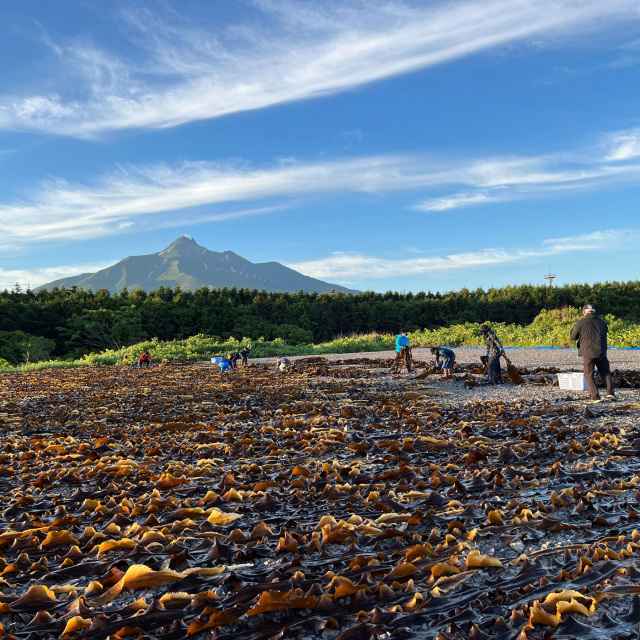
(550, 329)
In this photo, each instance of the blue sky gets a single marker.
(392, 145)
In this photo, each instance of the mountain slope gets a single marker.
(186, 264)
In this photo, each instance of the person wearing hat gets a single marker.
(494, 351)
(591, 335)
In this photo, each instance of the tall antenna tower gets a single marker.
(550, 277)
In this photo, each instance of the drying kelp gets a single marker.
(324, 502)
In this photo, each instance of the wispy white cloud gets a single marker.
(607, 239)
(63, 210)
(36, 277)
(614, 161)
(624, 145)
(182, 73)
(183, 221)
(627, 55)
(352, 135)
(624, 62)
(347, 268)
(161, 195)
(457, 200)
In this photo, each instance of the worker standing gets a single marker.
(494, 351)
(591, 333)
(403, 353)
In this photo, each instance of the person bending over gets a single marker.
(282, 363)
(144, 360)
(233, 359)
(445, 359)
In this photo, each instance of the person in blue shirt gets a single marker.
(224, 364)
(445, 358)
(403, 353)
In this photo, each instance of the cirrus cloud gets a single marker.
(347, 267)
(134, 197)
(176, 72)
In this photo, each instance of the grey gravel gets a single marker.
(564, 359)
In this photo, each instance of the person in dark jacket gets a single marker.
(245, 352)
(494, 351)
(591, 334)
(233, 359)
(445, 358)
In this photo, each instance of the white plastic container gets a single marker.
(572, 381)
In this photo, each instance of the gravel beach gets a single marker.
(565, 360)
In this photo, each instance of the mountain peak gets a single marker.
(191, 266)
(183, 246)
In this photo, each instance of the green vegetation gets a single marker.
(69, 324)
(549, 328)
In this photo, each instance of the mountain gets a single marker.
(187, 264)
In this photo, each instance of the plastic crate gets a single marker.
(572, 381)
(215, 360)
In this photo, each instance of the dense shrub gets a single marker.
(81, 322)
(549, 328)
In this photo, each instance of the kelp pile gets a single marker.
(175, 503)
(473, 375)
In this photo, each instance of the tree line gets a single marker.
(68, 323)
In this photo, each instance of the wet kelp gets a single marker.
(328, 501)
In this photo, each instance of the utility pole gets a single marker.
(550, 277)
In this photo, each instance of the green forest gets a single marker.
(68, 324)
